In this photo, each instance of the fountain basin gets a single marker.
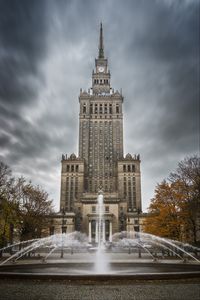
(116, 271)
(130, 256)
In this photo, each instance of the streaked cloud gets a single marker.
(47, 51)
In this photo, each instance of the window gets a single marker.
(107, 209)
(64, 229)
(105, 109)
(124, 168)
(110, 108)
(117, 108)
(133, 168)
(67, 168)
(91, 109)
(100, 109)
(76, 168)
(93, 228)
(84, 108)
(72, 168)
(129, 168)
(93, 209)
(51, 229)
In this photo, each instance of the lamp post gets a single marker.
(137, 228)
(21, 233)
(11, 236)
(62, 228)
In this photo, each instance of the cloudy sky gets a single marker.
(47, 52)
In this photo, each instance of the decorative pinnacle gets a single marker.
(101, 50)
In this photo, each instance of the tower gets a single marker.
(101, 128)
(100, 163)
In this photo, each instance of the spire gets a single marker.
(101, 50)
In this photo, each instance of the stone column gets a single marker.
(97, 232)
(104, 233)
(110, 231)
(90, 232)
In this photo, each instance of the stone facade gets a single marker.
(101, 164)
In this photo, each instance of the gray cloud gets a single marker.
(22, 39)
(47, 54)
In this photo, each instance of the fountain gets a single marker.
(71, 255)
(101, 266)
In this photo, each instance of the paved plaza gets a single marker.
(112, 289)
(141, 290)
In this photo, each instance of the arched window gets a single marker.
(84, 108)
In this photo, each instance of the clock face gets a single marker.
(100, 69)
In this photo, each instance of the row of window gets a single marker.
(128, 168)
(129, 178)
(86, 124)
(71, 192)
(72, 168)
(132, 202)
(100, 81)
(94, 186)
(95, 108)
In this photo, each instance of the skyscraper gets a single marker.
(100, 164)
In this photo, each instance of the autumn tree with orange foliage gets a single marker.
(174, 211)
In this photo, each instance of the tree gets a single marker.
(166, 217)
(188, 173)
(5, 180)
(174, 211)
(23, 207)
(34, 211)
(9, 205)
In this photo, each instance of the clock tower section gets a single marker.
(101, 74)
